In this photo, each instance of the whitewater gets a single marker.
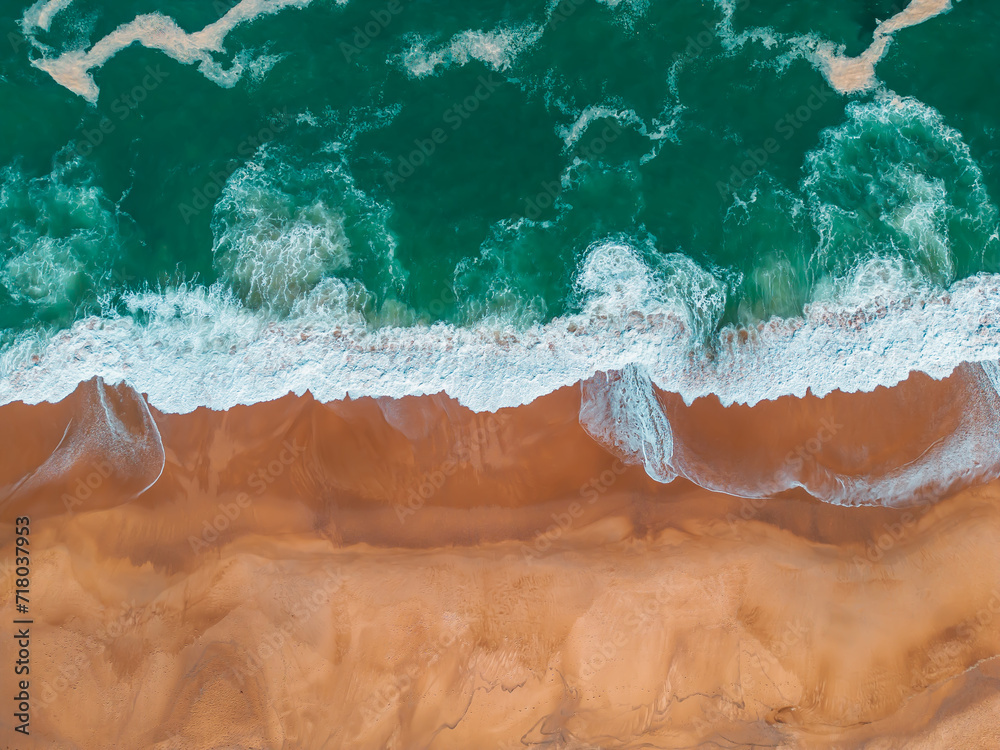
(229, 355)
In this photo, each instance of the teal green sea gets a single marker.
(405, 162)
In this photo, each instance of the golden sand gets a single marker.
(408, 574)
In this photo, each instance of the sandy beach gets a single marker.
(410, 574)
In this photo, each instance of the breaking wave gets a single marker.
(236, 355)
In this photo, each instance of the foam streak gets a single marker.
(73, 69)
(851, 74)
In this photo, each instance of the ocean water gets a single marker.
(223, 202)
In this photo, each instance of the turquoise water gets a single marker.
(401, 163)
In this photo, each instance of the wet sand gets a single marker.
(409, 574)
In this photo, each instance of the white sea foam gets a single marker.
(914, 184)
(658, 130)
(203, 348)
(572, 133)
(498, 49)
(615, 283)
(40, 15)
(270, 252)
(280, 238)
(276, 260)
(72, 68)
(58, 233)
